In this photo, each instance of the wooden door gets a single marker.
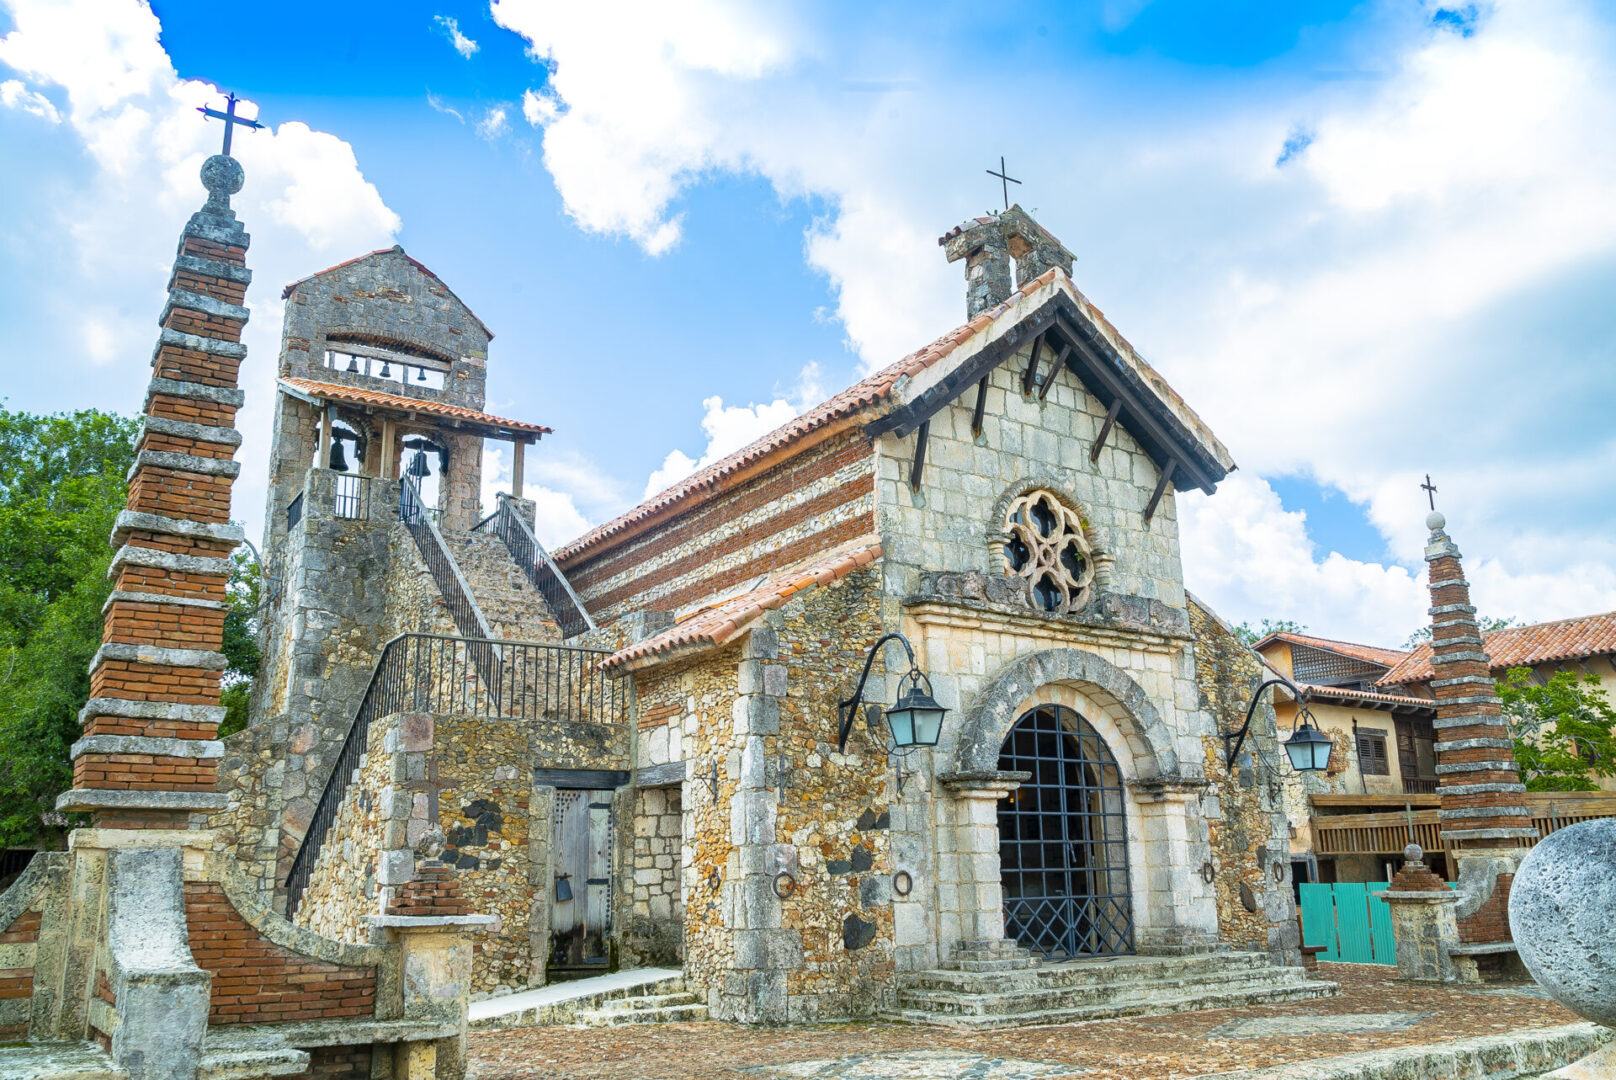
(581, 920)
(1407, 757)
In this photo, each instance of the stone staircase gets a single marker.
(674, 1006)
(513, 607)
(1006, 990)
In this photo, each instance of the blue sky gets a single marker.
(1365, 240)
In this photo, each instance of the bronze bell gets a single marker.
(338, 462)
(418, 465)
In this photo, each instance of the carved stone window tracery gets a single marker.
(1044, 545)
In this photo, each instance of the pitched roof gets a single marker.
(1371, 654)
(1523, 646)
(353, 395)
(396, 249)
(859, 401)
(1347, 694)
(725, 621)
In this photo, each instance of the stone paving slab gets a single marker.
(1373, 1013)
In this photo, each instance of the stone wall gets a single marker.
(654, 935)
(811, 503)
(1245, 806)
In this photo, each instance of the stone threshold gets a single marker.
(564, 999)
(1518, 1055)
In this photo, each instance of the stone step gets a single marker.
(515, 610)
(667, 1014)
(563, 1003)
(1009, 963)
(1120, 971)
(1111, 1010)
(1058, 997)
(649, 1001)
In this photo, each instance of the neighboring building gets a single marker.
(1351, 823)
(631, 752)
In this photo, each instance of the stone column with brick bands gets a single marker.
(149, 756)
(1480, 784)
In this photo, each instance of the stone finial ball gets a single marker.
(1435, 521)
(1413, 853)
(1562, 913)
(432, 843)
(222, 175)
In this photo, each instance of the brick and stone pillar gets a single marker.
(1480, 784)
(148, 756)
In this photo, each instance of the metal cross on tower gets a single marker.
(1430, 490)
(230, 119)
(1004, 181)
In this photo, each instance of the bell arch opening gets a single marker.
(1063, 839)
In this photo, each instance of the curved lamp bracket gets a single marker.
(847, 710)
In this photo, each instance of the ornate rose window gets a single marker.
(1044, 545)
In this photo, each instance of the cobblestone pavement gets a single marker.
(1372, 1012)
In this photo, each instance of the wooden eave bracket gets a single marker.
(1173, 448)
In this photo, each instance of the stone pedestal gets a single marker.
(436, 981)
(1180, 914)
(1423, 921)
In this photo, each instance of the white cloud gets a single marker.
(451, 30)
(494, 123)
(305, 202)
(569, 491)
(14, 95)
(437, 104)
(730, 427)
(1361, 315)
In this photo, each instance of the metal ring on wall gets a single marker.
(1208, 872)
(784, 884)
(902, 883)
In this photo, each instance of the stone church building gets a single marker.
(629, 750)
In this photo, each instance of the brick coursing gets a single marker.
(256, 981)
(17, 983)
(1490, 922)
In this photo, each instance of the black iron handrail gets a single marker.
(541, 570)
(429, 673)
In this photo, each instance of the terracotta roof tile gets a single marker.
(1523, 646)
(286, 293)
(1325, 692)
(725, 621)
(1372, 654)
(353, 395)
(849, 403)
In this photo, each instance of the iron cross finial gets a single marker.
(1004, 181)
(230, 119)
(1430, 490)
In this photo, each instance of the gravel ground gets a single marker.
(1372, 1012)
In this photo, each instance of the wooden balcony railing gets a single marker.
(1387, 832)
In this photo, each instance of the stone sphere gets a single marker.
(1435, 521)
(1562, 913)
(222, 175)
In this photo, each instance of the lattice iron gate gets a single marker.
(1063, 840)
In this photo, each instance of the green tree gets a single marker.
(1562, 728)
(61, 487)
(240, 646)
(1269, 626)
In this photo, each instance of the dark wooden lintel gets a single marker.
(981, 407)
(919, 464)
(660, 775)
(1161, 488)
(580, 779)
(1105, 430)
(1054, 370)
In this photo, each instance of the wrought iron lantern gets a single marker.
(1308, 747)
(915, 720)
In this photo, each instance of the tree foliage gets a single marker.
(240, 646)
(1562, 728)
(61, 487)
(1269, 626)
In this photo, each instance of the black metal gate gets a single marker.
(1063, 840)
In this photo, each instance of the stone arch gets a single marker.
(998, 706)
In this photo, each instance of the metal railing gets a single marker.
(427, 673)
(349, 494)
(451, 586)
(540, 569)
(294, 512)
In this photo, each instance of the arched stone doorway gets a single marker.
(1063, 839)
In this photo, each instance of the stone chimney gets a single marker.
(149, 757)
(988, 244)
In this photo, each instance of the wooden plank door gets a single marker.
(582, 893)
